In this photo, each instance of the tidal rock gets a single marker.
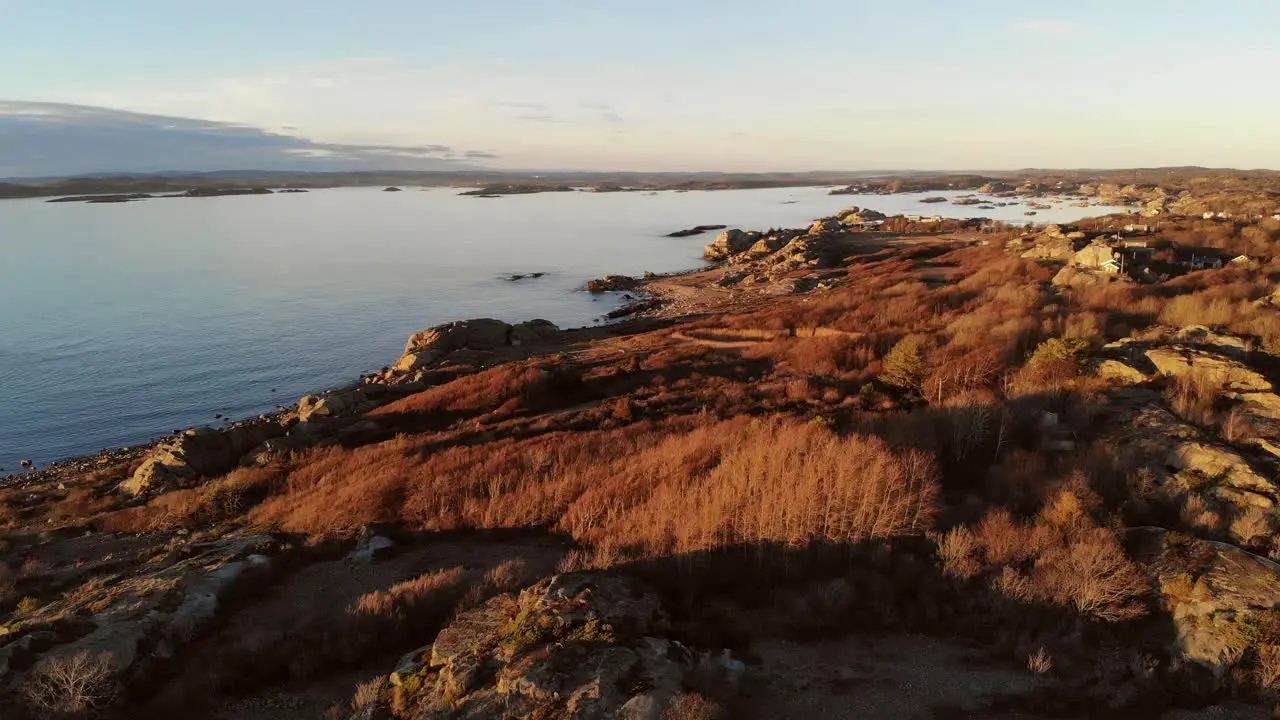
(535, 332)
(613, 283)
(730, 242)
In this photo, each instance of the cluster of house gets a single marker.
(1135, 258)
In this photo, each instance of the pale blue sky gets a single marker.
(697, 84)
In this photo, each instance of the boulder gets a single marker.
(432, 344)
(334, 404)
(198, 452)
(1217, 595)
(1094, 257)
(370, 548)
(572, 645)
(613, 283)
(1050, 249)
(1119, 372)
(820, 227)
(730, 242)
(1221, 371)
(765, 246)
(535, 332)
(854, 215)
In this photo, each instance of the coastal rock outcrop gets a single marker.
(1222, 600)
(483, 334)
(535, 332)
(145, 616)
(432, 344)
(612, 283)
(198, 452)
(570, 643)
(730, 242)
(854, 215)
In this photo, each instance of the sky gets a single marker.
(735, 85)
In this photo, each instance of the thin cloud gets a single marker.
(51, 139)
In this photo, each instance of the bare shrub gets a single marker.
(1040, 662)
(691, 706)
(1014, 585)
(1267, 667)
(414, 601)
(369, 693)
(71, 685)
(1002, 539)
(1235, 427)
(957, 550)
(1192, 397)
(1092, 574)
(1197, 514)
(511, 574)
(1251, 525)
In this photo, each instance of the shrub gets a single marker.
(1192, 397)
(512, 574)
(691, 706)
(370, 693)
(28, 605)
(74, 685)
(957, 550)
(1054, 363)
(421, 601)
(905, 365)
(1235, 427)
(1251, 525)
(1039, 662)
(1092, 574)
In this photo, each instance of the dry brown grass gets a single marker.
(642, 488)
(220, 499)
(424, 599)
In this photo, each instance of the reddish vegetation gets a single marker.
(869, 456)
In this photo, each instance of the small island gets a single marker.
(102, 198)
(514, 189)
(695, 230)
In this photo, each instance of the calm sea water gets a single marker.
(119, 323)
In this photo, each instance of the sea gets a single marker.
(120, 323)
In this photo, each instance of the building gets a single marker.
(1204, 262)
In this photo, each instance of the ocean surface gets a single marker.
(123, 322)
